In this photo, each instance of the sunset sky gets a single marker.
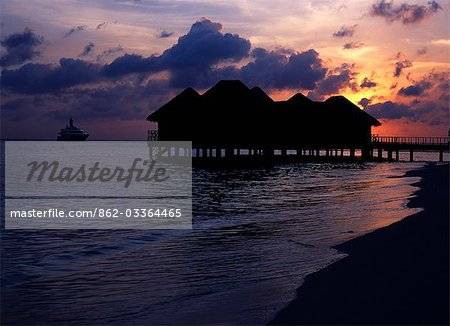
(109, 63)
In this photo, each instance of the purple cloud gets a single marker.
(367, 83)
(165, 34)
(406, 13)
(192, 61)
(101, 25)
(109, 53)
(88, 49)
(205, 45)
(74, 30)
(400, 65)
(345, 31)
(364, 102)
(196, 52)
(415, 90)
(188, 61)
(353, 45)
(336, 80)
(389, 110)
(432, 108)
(277, 69)
(20, 47)
(39, 78)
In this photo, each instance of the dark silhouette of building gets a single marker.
(231, 116)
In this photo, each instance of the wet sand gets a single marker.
(395, 275)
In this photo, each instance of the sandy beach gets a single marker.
(395, 275)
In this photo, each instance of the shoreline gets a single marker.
(398, 274)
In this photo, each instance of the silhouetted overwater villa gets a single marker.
(232, 120)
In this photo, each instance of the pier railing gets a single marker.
(152, 135)
(374, 150)
(428, 141)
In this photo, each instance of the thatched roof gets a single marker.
(299, 98)
(350, 110)
(233, 97)
(187, 97)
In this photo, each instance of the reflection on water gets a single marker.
(256, 234)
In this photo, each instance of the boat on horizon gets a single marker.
(72, 133)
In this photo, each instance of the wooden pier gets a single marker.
(395, 145)
(371, 151)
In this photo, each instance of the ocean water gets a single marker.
(256, 234)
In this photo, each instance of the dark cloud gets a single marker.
(74, 30)
(422, 51)
(165, 34)
(124, 102)
(406, 13)
(20, 47)
(276, 69)
(192, 61)
(121, 102)
(436, 82)
(345, 31)
(39, 78)
(105, 25)
(400, 65)
(367, 83)
(415, 90)
(205, 45)
(389, 110)
(109, 53)
(432, 108)
(199, 59)
(21, 108)
(364, 102)
(336, 80)
(88, 49)
(131, 63)
(194, 54)
(101, 25)
(191, 77)
(353, 45)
